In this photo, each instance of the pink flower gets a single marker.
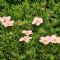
(3, 19)
(6, 21)
(54, 39)
(27, 32)
(37, 21)
(58, 40)
(45, 40)
(25, 39)
(48, 38)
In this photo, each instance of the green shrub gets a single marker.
(23, 12)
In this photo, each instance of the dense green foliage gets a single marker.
(23, 12)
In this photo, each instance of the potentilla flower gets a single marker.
(25, 39)
(27, 32)
(58, 40)
(54, 39)
(49, 38)
(3, 19)
(6, 21)
(45, 40)
(37, 21)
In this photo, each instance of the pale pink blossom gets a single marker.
(3, 19)
(25, 39)
(58, 40)
(54, 39)
(27, 32)
(45, 40)
(50, 39)
(6, 21)
(37, 21)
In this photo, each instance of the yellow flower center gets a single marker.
(45, 40)
(8, 23)
(54, 39)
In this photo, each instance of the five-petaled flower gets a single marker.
(37, 21)
(27, 32)
(6, 21)
(25, 39)
(45, 40)
(55, 39)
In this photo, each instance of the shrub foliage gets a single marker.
(23, 12)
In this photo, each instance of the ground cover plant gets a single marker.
(22, 12)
